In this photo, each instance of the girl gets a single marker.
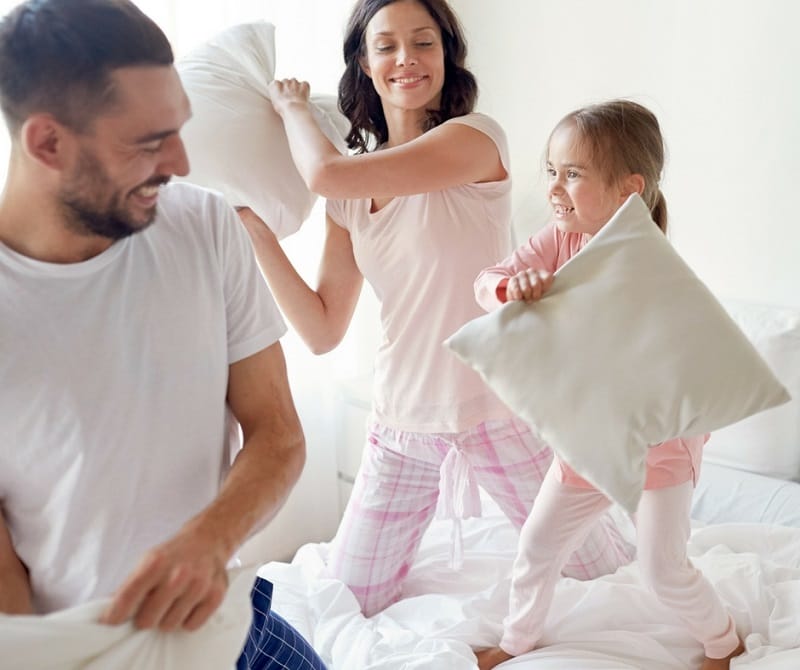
(597, 156)
(418, 215)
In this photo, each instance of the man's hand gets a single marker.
(177, 585)
(15, 587)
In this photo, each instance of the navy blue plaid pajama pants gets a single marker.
(272, 644)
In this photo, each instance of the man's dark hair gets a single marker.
(57, 57)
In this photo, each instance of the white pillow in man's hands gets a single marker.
(235, 141)
(627, 349)
(73, 638)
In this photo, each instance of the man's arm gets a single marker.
(180, 583)
(15, 587)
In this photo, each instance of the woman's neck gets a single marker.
(404, 125)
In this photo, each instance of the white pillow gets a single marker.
(71, 639)
(627, 349)
(730, 495)
(235, 141)
(767, 443)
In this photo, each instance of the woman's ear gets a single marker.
(364, 63)
(44, 139)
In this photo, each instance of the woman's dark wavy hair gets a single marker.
(359, 101)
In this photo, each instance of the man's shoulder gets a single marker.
(189, 210)
(180, 199)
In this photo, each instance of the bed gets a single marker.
(611, 622)
(746, 539)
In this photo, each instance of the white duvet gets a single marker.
(609, 623)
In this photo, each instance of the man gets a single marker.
(134, 329)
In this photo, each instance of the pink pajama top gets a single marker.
(419, 254)
(668, 464)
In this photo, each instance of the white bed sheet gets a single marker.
(608, 623)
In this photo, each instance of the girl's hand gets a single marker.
(287, 92)
(529, 285)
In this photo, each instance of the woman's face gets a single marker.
(405, 56)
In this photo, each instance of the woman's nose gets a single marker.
(405, 56)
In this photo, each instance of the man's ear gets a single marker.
(45, 140)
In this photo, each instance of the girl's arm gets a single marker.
(320, 316)
(525, 275)
(448, 155)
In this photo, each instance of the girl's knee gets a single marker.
(662, 570)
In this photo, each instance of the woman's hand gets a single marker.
(255, 225)
(528, 285)
(287, 92)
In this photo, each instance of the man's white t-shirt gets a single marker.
(114, 428)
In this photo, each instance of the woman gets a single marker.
(419, 209)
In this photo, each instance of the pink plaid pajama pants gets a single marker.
(398, 486)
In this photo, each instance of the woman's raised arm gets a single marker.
(320, 316)
(448, 155)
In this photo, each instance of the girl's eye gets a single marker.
(383, 48)
(424, 44)
(551, 172)
(572, 174)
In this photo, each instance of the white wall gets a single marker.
(722, 76)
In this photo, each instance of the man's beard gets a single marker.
(89, 214)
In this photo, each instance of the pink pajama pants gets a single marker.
(395, 496)
(561, 517)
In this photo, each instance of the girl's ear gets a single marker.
(633, 183)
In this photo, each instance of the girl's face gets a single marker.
(582, 199)
(405, 56)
